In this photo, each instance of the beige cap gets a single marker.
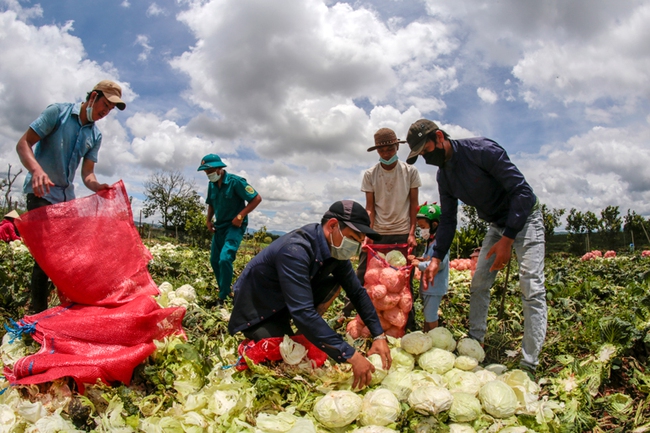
(112, 91)
(12, 214)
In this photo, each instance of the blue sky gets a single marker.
(290, 92)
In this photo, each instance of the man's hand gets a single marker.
(381, 348)
(210, 226)
(237, 221)
(412, 241)
(430, 273)
(362, 370)
(41, 182)
(502, 249)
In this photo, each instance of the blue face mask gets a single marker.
(348, 248)
(388, 161)
(89, 113)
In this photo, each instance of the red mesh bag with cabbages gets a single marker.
(388, 287)
(107, 321)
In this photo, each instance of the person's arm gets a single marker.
(370, 207)
(495, 161)
(88, 176)
(41, 182)
(413, 211)
(208, 219)
(237, 222)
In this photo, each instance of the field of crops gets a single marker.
(592, 376)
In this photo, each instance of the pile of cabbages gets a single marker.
(439, 378)
(387, 283)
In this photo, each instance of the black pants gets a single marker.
(324, 288)
(40, 282)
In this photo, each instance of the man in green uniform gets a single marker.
(230, 200)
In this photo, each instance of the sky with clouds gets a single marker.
(290, 92)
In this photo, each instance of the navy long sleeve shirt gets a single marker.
(480, 174)
(281, 276)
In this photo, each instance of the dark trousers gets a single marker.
(324, 288)
(40, 281)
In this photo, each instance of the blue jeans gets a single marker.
(529, 247)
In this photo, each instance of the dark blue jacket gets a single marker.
(282, 275)
(480, 174)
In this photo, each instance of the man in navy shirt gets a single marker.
(478, 172)
(300, 271)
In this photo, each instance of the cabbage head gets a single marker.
(498, 399)
(442, 338)
(338, 408)
(485, 376)
(380, 373)
(379, 407)
(280, 423)
(402, 360)
(461, 428)
(421, 377)
(437, 361)
(465, 407)
(497, 369)
(291, 351)
(472, 348)
(399, 383)
(374, 429)
(464, 381)
(526, 390)
(416, 342)
(466, 363)
(396, 259)
(430, 399)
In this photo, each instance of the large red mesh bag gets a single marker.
(389, 290)
(90, 248)
(108, 330)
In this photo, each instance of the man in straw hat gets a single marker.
(62, 137)
(391, 188)
(479, 172)
(8, 230)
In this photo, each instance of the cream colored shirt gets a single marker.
(391, 189)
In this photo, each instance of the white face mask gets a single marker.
(347, 249)
(214, 177)
(425, 235)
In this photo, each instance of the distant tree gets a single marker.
(575, 225)
(634, 223)
(6, 185)
(610, 220)
(470, 234)
(591, 225)
(610, 224)
(195, 226)
(551, 218)
(182, 208)
(166, 191)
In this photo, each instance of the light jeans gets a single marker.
(529, 247)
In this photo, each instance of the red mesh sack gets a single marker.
(89, 343)
(109, 330)
(394, 282)
(268, 350)
(90, 248)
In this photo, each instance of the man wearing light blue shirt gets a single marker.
(56, 143)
